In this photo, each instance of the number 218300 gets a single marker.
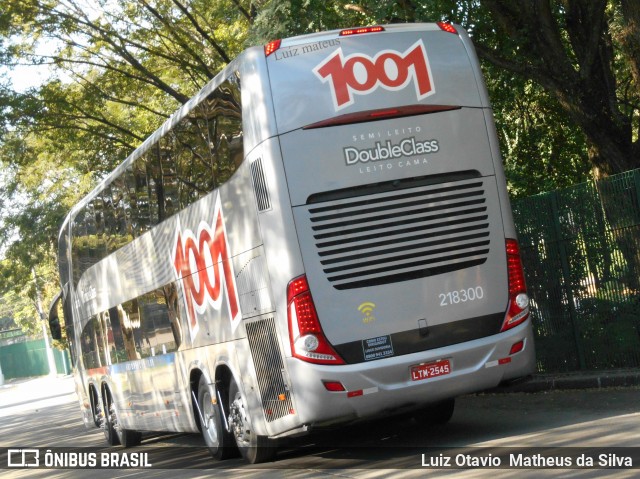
(461, 296)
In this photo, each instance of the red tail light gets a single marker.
(447, 27)
(271, 47)
(308, 342)
(518, 308)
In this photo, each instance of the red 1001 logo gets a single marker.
(198, 259)
(360, 74)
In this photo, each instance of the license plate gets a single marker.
(430, 370)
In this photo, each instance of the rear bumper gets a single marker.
(385, 386)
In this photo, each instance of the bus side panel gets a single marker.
(258, 117)
(284, 262)
(501, 180)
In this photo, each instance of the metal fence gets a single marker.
(29, 358)
(581, 253)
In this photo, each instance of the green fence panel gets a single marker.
(29, 358)
(63, 361)
(24, 359)
(580, 249)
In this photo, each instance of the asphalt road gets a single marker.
(489, 427)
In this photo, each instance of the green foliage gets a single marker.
(119, 71)
(541, 149)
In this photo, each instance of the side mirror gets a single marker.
(54, 320)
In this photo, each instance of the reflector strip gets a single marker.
(333, 386)
(499, 362)
(362, 392)
(516, 348)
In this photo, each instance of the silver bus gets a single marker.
(322, 234)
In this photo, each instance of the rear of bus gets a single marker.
(410, 289)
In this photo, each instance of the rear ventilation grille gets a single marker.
(408, 233)
(260, 185)
(267, 359)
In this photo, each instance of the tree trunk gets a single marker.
(570, 52)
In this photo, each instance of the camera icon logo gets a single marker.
(23, 458)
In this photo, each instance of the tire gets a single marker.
(440, 413)
(219, 441)
(253, 448)
(96, 410)
(113, 432)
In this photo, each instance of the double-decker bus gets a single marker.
(322, 234)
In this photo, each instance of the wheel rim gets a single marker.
(239, 421)
(210, 426)
(113, 418)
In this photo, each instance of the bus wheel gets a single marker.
(438, 414)
(96, 411)
(253, 448)
(113, 431)
(217, 438)
(443, 411)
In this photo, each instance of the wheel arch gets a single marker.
(222, 379)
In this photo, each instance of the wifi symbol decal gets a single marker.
(367, 308)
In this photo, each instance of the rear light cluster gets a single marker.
(447, 27)
(358, 31)
(308, 342)
(274, 45)
(271, 47)
(518, 307)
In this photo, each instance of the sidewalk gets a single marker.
(21, 391)
(577, 380)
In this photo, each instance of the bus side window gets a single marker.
(156, 310)
(156, 186)
(121, 234)
(167, 179)
(190, 155)
(136, 330)
(115, 337)
(223, 110)
(89, 346)
(171, 299)
(128, 322)
(136, 181)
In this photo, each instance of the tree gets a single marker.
(121, 68)
(584, 53)
(542, 147)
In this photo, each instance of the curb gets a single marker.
(586, 380)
